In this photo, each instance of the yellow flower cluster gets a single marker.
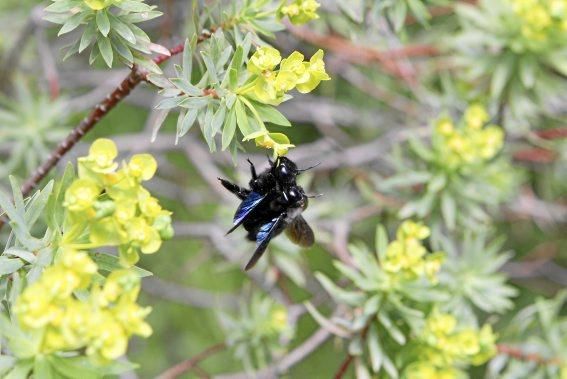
(445, 346)
(468, 144)
(278, 142)
(114, 206)
(277, 321)
(102, 321)
(542, 20)
(299, 11)
(269, 85)
(100, 4)
(406, 257)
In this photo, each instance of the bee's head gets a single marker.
(285, 170)
(296, 196)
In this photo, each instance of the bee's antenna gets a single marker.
(315, 196)
(308, 168)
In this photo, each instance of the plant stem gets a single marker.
(189, 364)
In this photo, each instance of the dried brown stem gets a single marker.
(190, 364)
(518, 354)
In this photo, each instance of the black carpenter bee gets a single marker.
(273, 203)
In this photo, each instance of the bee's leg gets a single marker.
(242, 193)
(252, 170)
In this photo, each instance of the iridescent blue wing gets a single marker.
(265, 234)
(245, 208)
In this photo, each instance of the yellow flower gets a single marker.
(99, 4)
(264, 59)
(487, 344)
(101, 157)
(142, 166)
(108, 340)
(125, 211)
(143, 236)
(432, 266)
(444, 126)
(300, 11)
(278, 319)
(34, 307)
(60, 282)
(81, 195)
(131, 316)
(410, 229)
(80, 264)
(467, 342)
(277, 141)
(476, 116)
(420, 370)
(121, 283)
(316, 71)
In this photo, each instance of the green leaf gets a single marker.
(6, 363)
(107, 262)
(398, 14)
(391, 328)
(105, 50)
(88, 37)
(406, 179)
(187, 123)
(187, 61)
(72, 23)
(501, 76)
(210, 67)
(18, 224)
(381, 242)
(102, 22)
(42, 368)
(291, 268)
(21, 370)
(186, 87)
(20, 253)
(325, 322)
(449, 210)
(242, 119)
(374, 349)
(38, 203)
(270, 114)
(74, 367)
(133, 6)
(339, 294)
(218, 120)
(229, 129)
(122, 29)
(353, 9)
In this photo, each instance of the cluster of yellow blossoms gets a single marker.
(101, 319)
(443, 346)
(299, 11)
(406, 258)
(113, 205)
(468, 144)
(542, 20)
(100, 4)
(269, 85)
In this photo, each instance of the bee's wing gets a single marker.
(265, 234)
(300, 233)
(245, 208)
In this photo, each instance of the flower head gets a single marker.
(300, 11)
(264, 59)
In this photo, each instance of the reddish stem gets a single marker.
(344, 367)
(189, 364)
(518, 354)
